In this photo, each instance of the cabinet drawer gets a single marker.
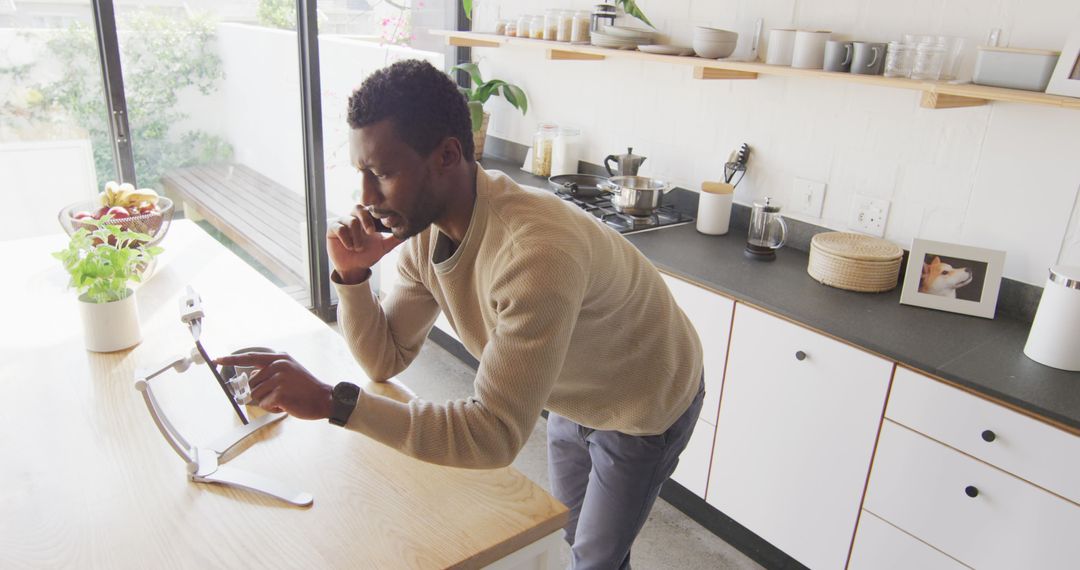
(881, 546)
(922, 487)
(1025, 447)
(710, 314)
(693, 469)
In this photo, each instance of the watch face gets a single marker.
(346, 393)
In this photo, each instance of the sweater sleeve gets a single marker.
(385, 338)
(537, 296)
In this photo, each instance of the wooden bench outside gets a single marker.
(264, 218)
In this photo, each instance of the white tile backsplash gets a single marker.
(1001, 175)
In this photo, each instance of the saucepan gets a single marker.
(636, 195)
(578, 185)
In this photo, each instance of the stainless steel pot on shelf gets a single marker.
(636, 195)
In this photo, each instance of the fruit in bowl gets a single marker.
(140, 210)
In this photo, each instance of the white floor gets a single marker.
(669, 540)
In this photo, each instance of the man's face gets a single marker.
(396, 182)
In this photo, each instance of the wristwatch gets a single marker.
(344, 396)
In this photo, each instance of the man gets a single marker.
(562, 313)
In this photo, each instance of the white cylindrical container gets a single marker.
(781, 47)
(714, 208)
(1054, 339)
(809, 50)
(108, 327)
(565, 152)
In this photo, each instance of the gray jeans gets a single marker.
(609, 480)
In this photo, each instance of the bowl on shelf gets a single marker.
(712, 49)
(156, 224)
(715, 34)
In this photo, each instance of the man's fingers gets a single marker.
(389, 241)
(257, 359)
(342, 233)
(366, 223)
(268, 380)
(269, 401)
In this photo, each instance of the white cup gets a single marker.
(809, 50)
(714, 208)
(781, 47)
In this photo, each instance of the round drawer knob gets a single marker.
(971, 491)
(988, 435)
(800, 356)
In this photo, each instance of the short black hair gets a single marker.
(423, 103)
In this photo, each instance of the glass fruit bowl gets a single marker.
(155, 224)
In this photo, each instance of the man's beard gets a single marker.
(424, 212)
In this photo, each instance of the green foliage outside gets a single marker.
(277, 14)
(102, 262)
(160, 58)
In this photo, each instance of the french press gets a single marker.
(767, 232)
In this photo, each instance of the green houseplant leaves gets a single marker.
(482, 90)
(102, 262)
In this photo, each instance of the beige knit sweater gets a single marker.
(561, 311)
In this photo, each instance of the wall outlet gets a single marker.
(807, 197)
(869, 215)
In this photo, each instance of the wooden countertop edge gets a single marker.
(511, 545)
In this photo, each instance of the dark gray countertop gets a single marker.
(981, 354)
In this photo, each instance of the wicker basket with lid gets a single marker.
(854, 262)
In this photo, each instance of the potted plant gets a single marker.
(102, 262)
(479, 93)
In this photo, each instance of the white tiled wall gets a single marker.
(1003, 175)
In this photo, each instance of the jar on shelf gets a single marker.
(500, 28)
(898, 59)
(565, 152)
(511, 28)
(551, 24)
(566, 26)
(536, 28)
(929, 60)
(580, 32)
(543, 145)
(523, 23)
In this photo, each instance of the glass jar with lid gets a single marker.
(523, 23)
(551, 24)
(536, 28)
(500, 28)
(543, 145)
(565, 152)
(580, 32)
(566, 26)
(511, 28)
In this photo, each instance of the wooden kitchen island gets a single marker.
(88, 481)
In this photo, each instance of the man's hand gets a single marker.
(282, 385)
(354, 245)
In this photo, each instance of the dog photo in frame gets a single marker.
(951, 277)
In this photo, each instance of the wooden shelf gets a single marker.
(935, 94)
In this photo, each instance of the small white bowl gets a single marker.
(713, 50)
(715, 34)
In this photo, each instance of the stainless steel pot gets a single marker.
(636, 195)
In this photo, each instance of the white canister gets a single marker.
(566, 152)
(809, 50)
(781, 47)
(1054, 339)
(714, 208)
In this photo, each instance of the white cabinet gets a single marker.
(710, 314)
(796, 431)
(968, 509)
(693, 469)
(881, 546)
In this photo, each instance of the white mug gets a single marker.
(809, 51)
(781, 47)
(714, 208)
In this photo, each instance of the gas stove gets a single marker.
(602, 209)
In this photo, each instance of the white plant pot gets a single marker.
(108, 327)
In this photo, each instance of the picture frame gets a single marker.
(1066, 77)
(952, 277)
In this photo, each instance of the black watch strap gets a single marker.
(345, 395)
